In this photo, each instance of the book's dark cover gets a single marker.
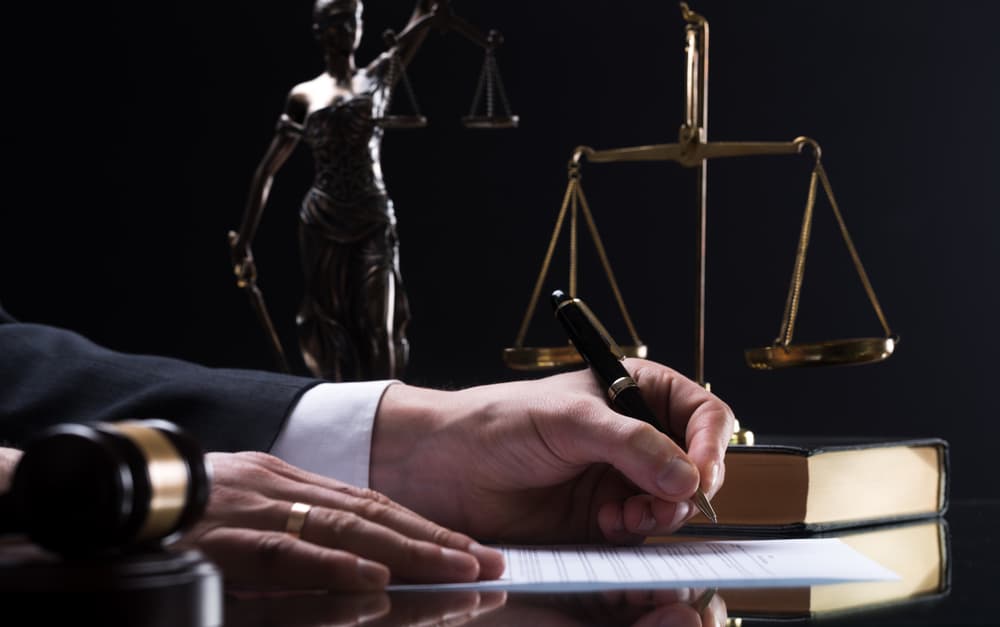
(809, 446)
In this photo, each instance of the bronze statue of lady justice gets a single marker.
(353, 316)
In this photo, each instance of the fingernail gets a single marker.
(712, 479)
(678, 478)
(648, 521)
(680, 514)
(620, 522)
(372, 573)
(484, 553)
(462, 563)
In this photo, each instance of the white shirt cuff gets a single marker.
(329, 432)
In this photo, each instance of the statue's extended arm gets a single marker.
(428, 14)
(286, 137)
(419, 23)
(406, 43)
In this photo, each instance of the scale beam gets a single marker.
(692, 154)
(444, 19)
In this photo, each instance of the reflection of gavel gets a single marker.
(82, 489)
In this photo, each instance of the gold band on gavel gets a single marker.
(169, 477)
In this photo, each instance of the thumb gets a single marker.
(647, 457)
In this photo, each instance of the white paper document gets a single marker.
(720, 564)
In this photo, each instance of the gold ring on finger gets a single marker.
(297, 518)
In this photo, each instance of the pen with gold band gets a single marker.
(604, 356)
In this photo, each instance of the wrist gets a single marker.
(8, 461)
(419, 451)
(406, 416)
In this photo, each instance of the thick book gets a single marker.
(790, 485)
(919, 552)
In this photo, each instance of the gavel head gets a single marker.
(82, 489)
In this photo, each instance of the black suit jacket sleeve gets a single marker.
(50, 375)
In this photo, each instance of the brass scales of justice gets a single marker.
(484, 113)
(693, 150)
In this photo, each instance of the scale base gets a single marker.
(480, 121)
(402, 121)
(864, 350)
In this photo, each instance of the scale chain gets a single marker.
(602, 253)
(533, 302)
(853, 251)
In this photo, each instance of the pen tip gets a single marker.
(701, 502)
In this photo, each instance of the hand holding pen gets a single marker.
(605, 359)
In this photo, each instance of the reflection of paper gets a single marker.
(743, 564)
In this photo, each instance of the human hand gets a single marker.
(547, 460)
(8, 462)
(352, 539)
(242, 260)
(423, 7)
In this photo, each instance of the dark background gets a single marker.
(131, 131)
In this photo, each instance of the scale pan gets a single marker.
(403, 121)
(482, 121)
(864, 350)
(545, 357)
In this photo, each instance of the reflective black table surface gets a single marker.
(967, 599)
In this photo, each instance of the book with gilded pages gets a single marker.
(793, 485)
(918, 552)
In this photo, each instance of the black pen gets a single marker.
(604, 356)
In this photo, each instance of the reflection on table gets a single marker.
(947, 571)
(674, 607)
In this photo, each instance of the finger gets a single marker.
(658, 596)
(284, 482)
(689, 409)
(651, 607)
(673, 614)
(379, 509)
(409, 558)
(592, 432)
(611, 521)
(269, 559)
(646, 597)
(707, 444)
(306, 610)
(646, 515)
(344, 530)
(716, 613)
